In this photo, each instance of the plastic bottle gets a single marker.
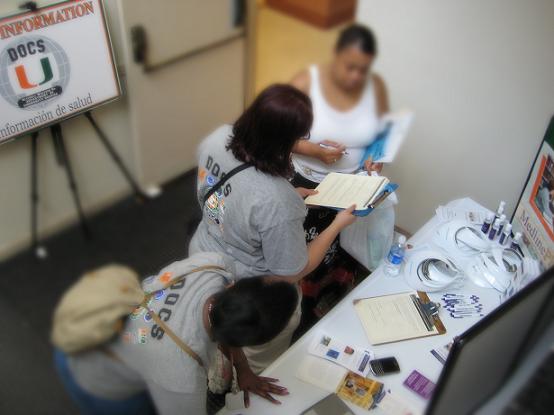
(487, 223)
(494, 229)
(515, 242)
(502, 223)
(500, 210)
(505, 235)
(393, 262)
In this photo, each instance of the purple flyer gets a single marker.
(420, 384)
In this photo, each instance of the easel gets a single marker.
(63, 160)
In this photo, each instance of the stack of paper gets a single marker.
(341, 191)
(396, 317)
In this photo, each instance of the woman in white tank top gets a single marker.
(347, 101)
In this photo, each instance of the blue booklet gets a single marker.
(389, 139)
(376, 150)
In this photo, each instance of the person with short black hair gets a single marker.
(256, 216)
(348, 98)
(252, 312)
(207, 310)
(357, 35)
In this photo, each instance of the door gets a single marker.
(185, 72)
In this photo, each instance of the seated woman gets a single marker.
(145, 364)
(256, 216)
(348, 98)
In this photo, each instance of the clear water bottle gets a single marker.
(394, 259)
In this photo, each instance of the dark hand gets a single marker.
(304, 193)
(261, 386)
(332, 153)
(371, 166)
(345, 217)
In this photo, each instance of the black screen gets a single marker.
(482, 358)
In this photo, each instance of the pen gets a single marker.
(377, 201)
(465, 305)
(462, 305)
(456, 306)
(465, 310)
(462, 315)
(459, 296)
(331, 147)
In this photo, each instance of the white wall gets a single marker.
(174, 107)
(99, 181)
(157, 143)
(480, 77)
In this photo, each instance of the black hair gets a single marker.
(252, 312)
(359, 36)
(266, 132)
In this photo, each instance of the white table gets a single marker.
(343, 323)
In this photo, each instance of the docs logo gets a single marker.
(34, 70)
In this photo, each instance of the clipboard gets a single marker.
(431, 313)
(397, 317)
(389, 189)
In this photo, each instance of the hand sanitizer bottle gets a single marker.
(500, 210)
(393, 261)
(516, 241)
(494, 230)
(505, 236)
(487, 223)
(502, 222)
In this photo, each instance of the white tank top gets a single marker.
(355, 128)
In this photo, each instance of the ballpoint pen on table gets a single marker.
(462, 315)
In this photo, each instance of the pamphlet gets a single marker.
(393, 130)
(353, 358)
(364, 392)
(475, 217)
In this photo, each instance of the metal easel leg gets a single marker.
(63, 160)
(139, 194)
(39, 250)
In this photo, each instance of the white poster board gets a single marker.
(534, 214)
(55, 63)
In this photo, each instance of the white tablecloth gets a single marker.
(343, 323)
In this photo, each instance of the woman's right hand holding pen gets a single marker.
(330, 151)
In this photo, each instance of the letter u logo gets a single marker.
(24, 80)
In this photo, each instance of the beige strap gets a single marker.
(181, 277)
(176, 338)
(110, 354)
(164, 326)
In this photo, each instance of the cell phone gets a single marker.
(384, 366)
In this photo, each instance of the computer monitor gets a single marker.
(482, 358)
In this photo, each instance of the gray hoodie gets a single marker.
(151, 359)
